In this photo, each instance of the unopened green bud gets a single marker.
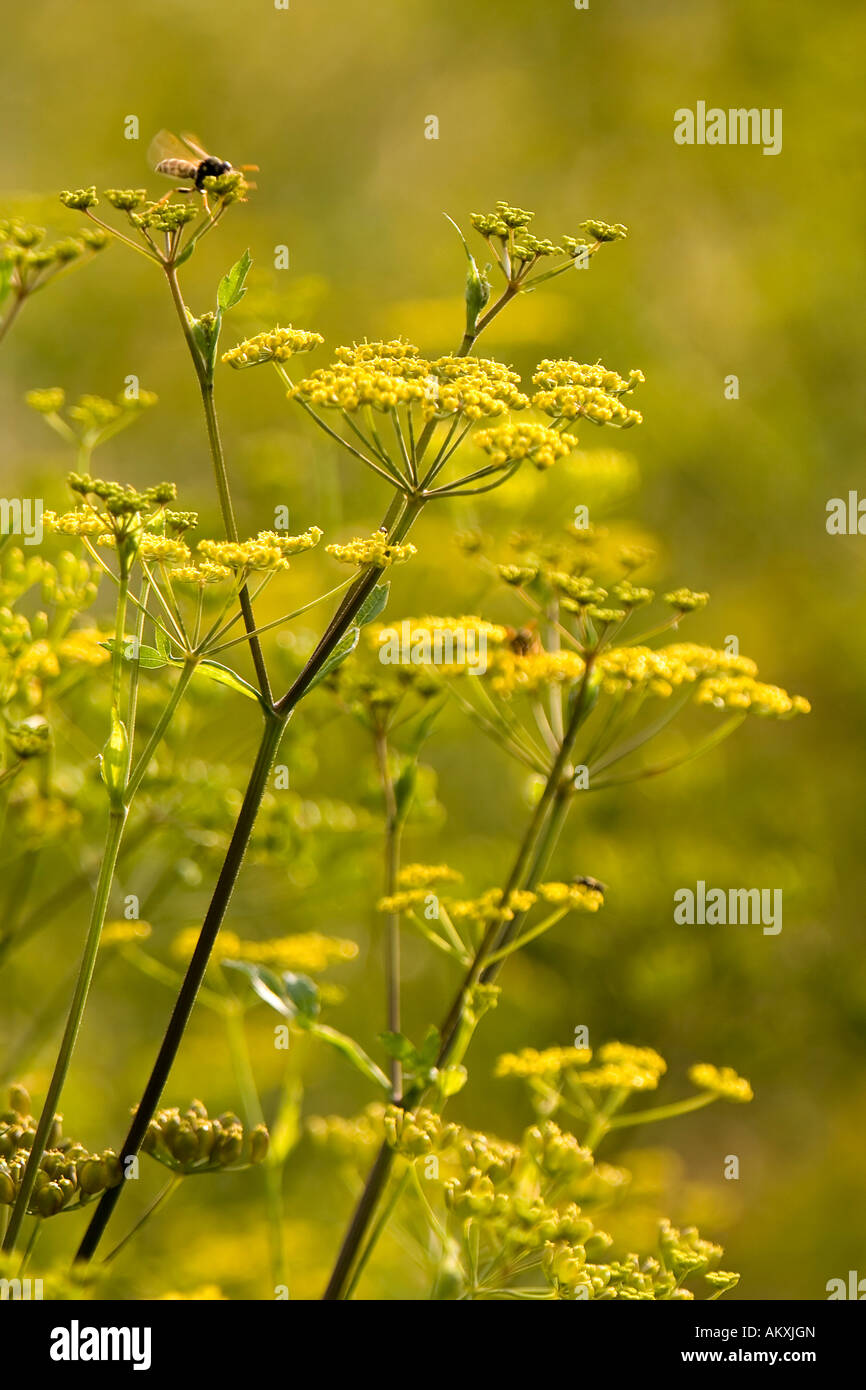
(29, 739)
(49, 1199)
(184, 1146)
(7, 1187)
(80, 198)
(19, 1099)
(91, 1178)
(259, 1141)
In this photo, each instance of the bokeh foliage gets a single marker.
(735, 263)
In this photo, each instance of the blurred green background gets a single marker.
(735, 263)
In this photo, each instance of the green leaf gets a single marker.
(214, 671)
(352, 1051)
(397, 1045)
(477, 284)
(424, 725)
(451, 1080)
(303, 993)
(429, 1048)
(373, 604)
(231, 287)
(296, 997)
(404, 789)
(115, 759)
(344, 648)
(267, 985)
(148, 657)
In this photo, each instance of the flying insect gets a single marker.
(184, 157)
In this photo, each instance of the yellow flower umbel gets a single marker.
(274, 345)
(550, 1063)
(374, 550)
(308, 952)
(743, 694)
(511, 444)
(569, 390)
(269, 551)
(721, 1081)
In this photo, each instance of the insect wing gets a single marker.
(165, 146)
(193, 144)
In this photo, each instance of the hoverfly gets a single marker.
(183, 157)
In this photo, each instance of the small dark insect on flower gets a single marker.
(586, 882)
(184, 157)
(523, 640)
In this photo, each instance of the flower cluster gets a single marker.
(550, 1063)
(568, 390)
(374, 550)
(274, 345)
(490, 906)
(308, 952)
(27, 262)
(425, 875)
(522, 1217)
(508, 444)
(386, 375)
(268, 551)
(163, 217)
(745, 695)
(517, 250)
(191, 1142)
(91, 419)
(69, 1175)
(722, 1081)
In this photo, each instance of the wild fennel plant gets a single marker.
(578, 681)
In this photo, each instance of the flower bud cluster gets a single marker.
(191, 1142)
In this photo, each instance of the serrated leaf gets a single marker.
(231, 287)
(344, 648)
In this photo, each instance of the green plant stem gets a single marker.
(393, 835)
(534, 851)
(387, 1212)
(205, 381)
(14, 310)
(165, 718)
(116, 822)
(161, 1197)
(183, 1007)
(401, 516)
